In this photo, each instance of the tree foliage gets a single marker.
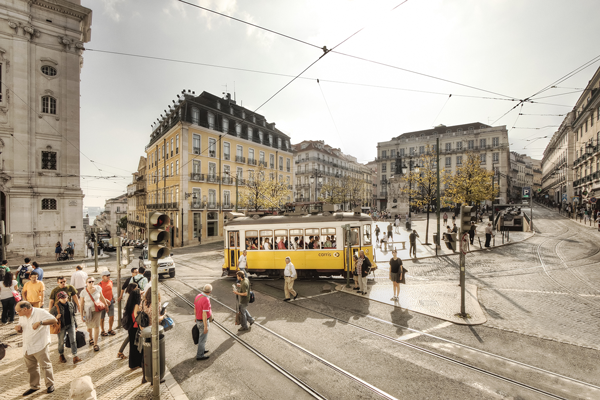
(123, 223)
(346, 189)
(262, 193)
(471, 183)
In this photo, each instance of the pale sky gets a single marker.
(508, 47)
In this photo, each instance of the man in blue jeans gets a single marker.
(244, 299)
(203, 317)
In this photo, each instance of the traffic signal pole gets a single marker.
(119, 281)
(465, 225)
(155, 348)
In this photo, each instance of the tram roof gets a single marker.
(290, 219)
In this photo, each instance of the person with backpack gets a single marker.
(8, 286)
(140, 279)
(64, 312)
(23, 273)
(243, 298)
(4, 268)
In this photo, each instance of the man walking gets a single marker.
(78, 279)
(488, 234)
(242, 262)
(33, 291)
(389, 232)
(412, 238)
(243, 301)
(23, 273)
(63, 287)
(71, 247)
(39, 270)
(289, 274)
(445, 219)
(363, 268)
(33, 324)
(472, 230)
(107, 291)
(203, 317)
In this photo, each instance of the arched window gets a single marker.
(48, 70)
(195, 116)
(48, 105)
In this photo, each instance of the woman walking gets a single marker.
(132, 308)
(130, 288)
(57, 250)
(64, 311)
(91, 317)
(396, 274)
(7, 289)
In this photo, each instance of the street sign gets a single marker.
(564, 198)
(575, 199)
(526, 192)
(593, 200)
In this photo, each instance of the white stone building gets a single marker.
(490, 142)
(41, 45)
(114, 210)
(557, 163)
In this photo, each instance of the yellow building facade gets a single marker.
(200, 155)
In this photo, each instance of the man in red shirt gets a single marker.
(107, 291)
(203, 318)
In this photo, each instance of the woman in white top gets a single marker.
(7, 287)
(89, 296)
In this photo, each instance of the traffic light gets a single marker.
(116, 241)
(157, 238)
(465, 218)
(127, 256)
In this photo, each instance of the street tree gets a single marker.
(471, 183)
(331, 191)
(263, 193)
(422, 184)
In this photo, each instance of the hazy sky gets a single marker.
(508, 49)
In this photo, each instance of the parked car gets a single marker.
(166, 266)
(106, 245)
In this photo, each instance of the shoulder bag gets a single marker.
(17, 296)
(55, 329)
(98, 305)
(251, 294)
(142, 319)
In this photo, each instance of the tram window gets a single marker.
(296, 241)
(281, 239)
(234, 238)
(356, 236)
(266, 240)
(311, 239)
(367, 234)
(251, 240)
(328, 238)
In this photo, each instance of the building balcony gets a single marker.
(240, 159)
(196, 177)
(262, 164)
(228, 206)
(227, 180)
(252, 161)
(198, 205)
(212, 178)
(213, 205)
(226, 157)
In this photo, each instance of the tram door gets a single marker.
(354, 245)
(234, 249)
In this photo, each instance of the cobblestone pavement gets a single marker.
(111, 376)
(547, 286)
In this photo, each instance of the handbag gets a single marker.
(17, 296)
(195, 334)
(98, 305)
(55, 329)
(142, 319)
(127, 321)
(79, 339)
(167, 323)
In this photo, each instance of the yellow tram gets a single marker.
(313, 241)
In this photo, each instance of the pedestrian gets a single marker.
(243, 297)
(146, 306)
(488, 234)
(412, 238)
(33, 291)
(396, 274)
(242, 262)
(454, 228)
(390, 234)
(355, 274)
(91, 317)
(140, 279)
(39, 270)
(78, 279)
(454, 217)
(8, 287)
(71, 247)
(64, 311)
(445, 219)
(34, 325)
(598, 221)
(107, 291)
(377, 230)
(363, 268)
(63, 287)
(128, 281)
(472, 230)
(384, 242)
(4, 268)
(23, 273)
(57, 250)
(132, 308)
(289, 275)
(203, 320)
(397, 224)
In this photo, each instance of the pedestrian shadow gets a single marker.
(400, 317)
(189, 367)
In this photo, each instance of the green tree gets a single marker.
(261, 193)
(123, 223)
(471, 183)
(422, 184)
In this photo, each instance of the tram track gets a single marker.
(438, 355)
(311, 391)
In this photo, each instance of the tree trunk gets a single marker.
(427, 227)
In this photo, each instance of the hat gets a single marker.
(106, 273)
(62, 295)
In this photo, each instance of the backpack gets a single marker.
(23, 272)
(138, 282)
(2, 273)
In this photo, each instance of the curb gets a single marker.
(173, 387)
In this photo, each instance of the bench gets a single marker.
(400, 241)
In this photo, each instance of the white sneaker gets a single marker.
(392, 299)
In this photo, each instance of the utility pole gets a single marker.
(437, 207)
(493, 198)
(119, 247)
(96, 250)
(236, 193)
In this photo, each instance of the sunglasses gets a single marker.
(62, 281)
(91, 281)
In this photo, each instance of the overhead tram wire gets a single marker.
(442, 109)
(330, 113)
(349, 55)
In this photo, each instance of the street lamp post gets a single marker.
(409, 170)
(316, 176)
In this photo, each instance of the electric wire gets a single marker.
(330, 113)
(442, 109)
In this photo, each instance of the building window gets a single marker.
(260, 136)
(225, 125)
(272, 161)
(238, 129)
(48, 204)
(49, 160)
(261, 156)
(270, 140)
(212, 147)
(402, 152)
(177, 167)
(239, 152)
(471, 144)
(288, 168)
(279, 143)
(226, 151)
(280, 163)
(196, 143)
(212, 172)
(482, 158)
(411, 151)
(48, 70)
(459, 146)
(249, 130)
(448, 161)
(421, 149)
(250, 154)
(393, 153)
(495, 142)
(383, 167)
(196, 167)
(48, 105)
(211, 120)
(177, 144)
(482, 143)
(495, 157)
(227, 172)
(240, 173)
(383, 153)
(458, 160)
(226, 199)
(195, 116)
(448, 146)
